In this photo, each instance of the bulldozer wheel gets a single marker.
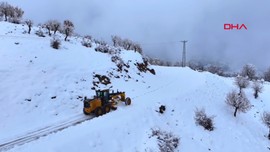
(106, 108)
(86, 112)
(128, 101)
(98, 111)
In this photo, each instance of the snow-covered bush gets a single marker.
(55, 43)
(203, 120)
(241, 83)
(266, 121)
(102, 48)
(167, 142)
(238, 101)
(87, 41)
(257, 88)
(40, 33)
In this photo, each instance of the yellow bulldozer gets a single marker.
(104, 101)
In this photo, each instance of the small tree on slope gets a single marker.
(241, 83)
(257, 88)
(29, 24)
(68, 28)
(266, 121)
(238, 101)
(249, 71)
(5, 10)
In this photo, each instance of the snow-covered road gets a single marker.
(42, 132)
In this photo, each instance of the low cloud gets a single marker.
(160, 26)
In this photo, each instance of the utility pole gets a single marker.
(184, 53)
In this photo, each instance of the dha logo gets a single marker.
(236, 26)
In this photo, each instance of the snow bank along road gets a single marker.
(34, 135)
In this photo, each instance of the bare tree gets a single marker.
(238, 101)
(116, 41)
(16, 15)
(137, 48)
(249, 71)
(49, 25)
(6, 10)
(126, 44)
(68, 28)
(29, 24)
(267, 75)
(266, 121)
(241, 82)
(257, 88)
(215, 69)
(56, 25)
(13, 14)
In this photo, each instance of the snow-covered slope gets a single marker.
(33, 70)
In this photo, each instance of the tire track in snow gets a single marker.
(42, 132)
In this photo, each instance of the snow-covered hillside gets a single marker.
(42, 86)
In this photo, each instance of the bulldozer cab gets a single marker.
(103, 95)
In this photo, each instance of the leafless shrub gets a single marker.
(238, 101)
(126, 44)
(55, 43)
(203, 120)
(215, 70)
(16, 15)
(249, 71)
(102, 48)
(167, 142)
(29, 24)
(68, 28)
(241, 83)
(100, 42)
(257, 88)
(87, 41)
(197, 66)
(266, 121)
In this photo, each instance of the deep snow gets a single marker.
(31, 69)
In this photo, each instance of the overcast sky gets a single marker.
(160, 25)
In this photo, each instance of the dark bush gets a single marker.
(203, 120)
(102, 48)
(55, 43)
(162, 109)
